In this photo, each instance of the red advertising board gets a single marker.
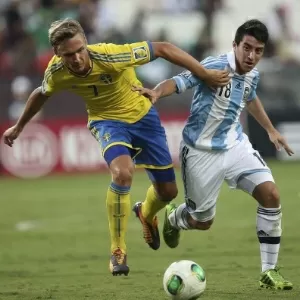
(65, 146)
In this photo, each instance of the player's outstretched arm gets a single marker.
(34, 103)
(257, 110)
(163, 89)
(181, 58)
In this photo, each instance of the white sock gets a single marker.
(178, 218)
(268, 228)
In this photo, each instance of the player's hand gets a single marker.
(148, 93)
(279, 141)
(216, 78)
(11, 134)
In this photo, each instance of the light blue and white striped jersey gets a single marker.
(214, 120)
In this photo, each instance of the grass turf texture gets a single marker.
(54, 242)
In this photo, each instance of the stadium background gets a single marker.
(200, 27)
(53, 229)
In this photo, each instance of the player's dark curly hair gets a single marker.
(63, 29)
(254, 28)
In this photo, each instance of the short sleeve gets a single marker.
(120, 57)
(48, 85)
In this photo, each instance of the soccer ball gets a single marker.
(184, 280)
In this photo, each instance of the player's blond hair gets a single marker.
(63, 29)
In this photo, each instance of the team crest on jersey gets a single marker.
(140, 53)
(106, 78)
(106, 137)
(246, 92)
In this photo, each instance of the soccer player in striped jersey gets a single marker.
(125, 124)
(214, 148)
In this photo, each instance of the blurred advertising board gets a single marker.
(66, 146)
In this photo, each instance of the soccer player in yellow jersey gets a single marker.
(125, 123)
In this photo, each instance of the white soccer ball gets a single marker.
(184, 280)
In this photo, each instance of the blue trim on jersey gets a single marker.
(152, 56)
(236, 97)
(254, 83)
(199, 114)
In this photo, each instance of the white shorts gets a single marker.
(203, 173)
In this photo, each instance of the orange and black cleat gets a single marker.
(150, 231)
(118, 263)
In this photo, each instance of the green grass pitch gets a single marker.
(54, 242)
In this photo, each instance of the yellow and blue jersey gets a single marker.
(107, 88)
(117, 115)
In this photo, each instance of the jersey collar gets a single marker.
(86, 74)
(231, 61)
(232, 65)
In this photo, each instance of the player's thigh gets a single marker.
(149, 135)
(202, 175)
(245, 168)
(113, 138)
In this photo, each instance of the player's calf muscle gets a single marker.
(195, 224)
(202, 225)
(167, 191)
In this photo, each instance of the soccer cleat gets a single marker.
(272, 279)
(170, 233)
(118, 263)
(150, 231)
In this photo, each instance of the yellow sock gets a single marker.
(152, 205)
(118, 210)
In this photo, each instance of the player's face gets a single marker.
(74, 54)
(248, 53)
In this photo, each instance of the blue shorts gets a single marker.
(146, 139)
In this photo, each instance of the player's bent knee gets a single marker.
(273, 196)
(267, 195)
(122, 176)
